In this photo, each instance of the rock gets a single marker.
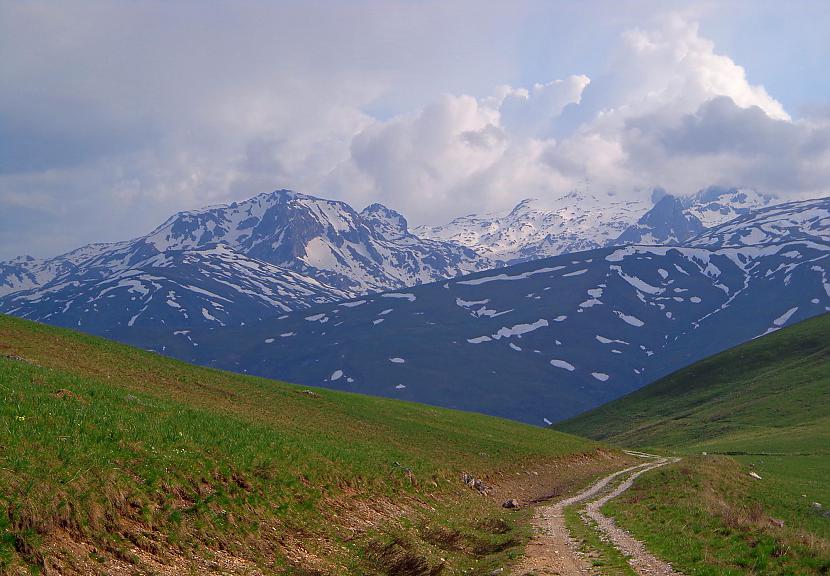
(755, 475)
(480, 486)
(816, 505)
(311, 393)
(496, 571)
(512, 503)
(776, 522)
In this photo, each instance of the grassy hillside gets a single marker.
(114, 459)
(763, 407)
(769, 395)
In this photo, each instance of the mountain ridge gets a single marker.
(579, 329)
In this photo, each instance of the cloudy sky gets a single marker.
(113, 114)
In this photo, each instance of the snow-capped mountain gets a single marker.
(581, 221)
(538, 228)
(26, 272)
(276, 252)
(181, 289)
(667, 223)
(326, 239)
(804, 220)
(259, 286)
(715, 205)
(538, 341)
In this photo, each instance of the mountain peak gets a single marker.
(385, 222)
(665, 223)
(716, 205)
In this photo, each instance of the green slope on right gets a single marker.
(750, 495)
(770, 395)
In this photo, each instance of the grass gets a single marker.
(708, 517)
(762, 407)
(113, 456)
(770, 395)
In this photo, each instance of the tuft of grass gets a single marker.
(134, 459)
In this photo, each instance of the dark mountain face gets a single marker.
(666, 223)
(258, 286)
(539, 341)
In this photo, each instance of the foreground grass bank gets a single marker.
(761, 408)
(115, 458)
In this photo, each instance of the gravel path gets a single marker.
(640, 559)
(553, 551)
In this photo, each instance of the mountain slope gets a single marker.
(802, 220)
(665, 223)
(230, 264)
(771, 394)
(115, 460)
(539, 228)
(181, 289)
(537, 341)
(717, 205)
(325, 239)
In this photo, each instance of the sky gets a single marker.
(114, 115)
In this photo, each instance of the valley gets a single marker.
(705, 346)
(414, 288)
(308, 290)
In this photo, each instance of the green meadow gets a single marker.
(115, 457)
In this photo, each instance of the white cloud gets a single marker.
(673, 66)
(153, 107)
(532, 112)
(670, 111)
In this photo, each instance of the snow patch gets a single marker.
(405, 295)
(781, 320)
(562, 364)
(628, 319)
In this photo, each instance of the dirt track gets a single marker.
(552, 551)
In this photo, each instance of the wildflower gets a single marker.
(21, 418)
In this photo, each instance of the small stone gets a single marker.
(755, 475)
(496, 571)
(512, 503)
(816, 505)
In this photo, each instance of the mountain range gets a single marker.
(230, 264)
(547, 339)
(305, 289)
(582, 221)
